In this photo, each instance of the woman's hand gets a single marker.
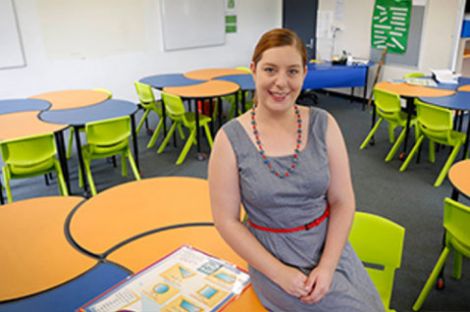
(292, 281)
(319, 282)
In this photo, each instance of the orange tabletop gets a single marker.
(35, 254)
(465, 88)
(140, 253)
(405, 89)
(72, 98)
(133, 208)
(207, 89)
(211, 73)
(459, 176)
(23, 124)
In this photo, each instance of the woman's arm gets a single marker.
(342, 206)
(225, 202)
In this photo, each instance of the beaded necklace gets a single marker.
(295, 157)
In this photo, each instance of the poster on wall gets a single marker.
(390, 25)
(230, 17)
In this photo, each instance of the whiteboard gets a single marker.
(192, 23)
(11, 48)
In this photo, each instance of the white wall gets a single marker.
(440, 28)
(112, 43)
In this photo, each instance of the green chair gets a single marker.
(105, 139)
(457, 238)
(149, 104)
(72, 130)
(28, 157)
(388, 108)
(414, 75)
(378, 242)
(177, 113)
(435, 123)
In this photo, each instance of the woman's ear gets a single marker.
(305, 71)
(253, 67)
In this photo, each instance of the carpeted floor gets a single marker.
(406, 198)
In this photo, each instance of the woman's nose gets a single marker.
(281, 79)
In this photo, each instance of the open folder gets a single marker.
(445, 76)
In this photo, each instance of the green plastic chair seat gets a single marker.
(33, 169)
(105, 139)
(435, 123)
(379, 242)
(456, 221)
(190, 118)
(388, 108)
(29, 157)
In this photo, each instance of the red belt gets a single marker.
(305, 227)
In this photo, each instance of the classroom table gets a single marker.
(78, 117)
(67, 99)
(212, 73)
(409, 92)
(459, 102)
(459, 177)
(22, 105)
(201, 92)
(36, 255)
(27, 123)
(112, 215)
(169, 80)
(246, 84)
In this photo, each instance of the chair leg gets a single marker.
(133, 165)
(89, 176)
(167, 138)
(391, 132)
(371, 133)
(181, 132)
(6, 179)
(412, 153)
(61, 180)
(431, 280)
(123, 165)
(432, 152)
(155, 134)
(208, 135)
(69, 147)
(449, 162)
(396, 145)
(142, 120)
(186, 147)
(458, 258)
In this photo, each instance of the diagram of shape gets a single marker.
(210, 295)
(161, 292)
(177, 273)
(182, 304)
(223, 276)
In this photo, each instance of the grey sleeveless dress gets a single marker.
(290, 202)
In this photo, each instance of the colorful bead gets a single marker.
(295, 157)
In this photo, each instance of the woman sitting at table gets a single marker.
(289, 168)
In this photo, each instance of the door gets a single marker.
(301, 17)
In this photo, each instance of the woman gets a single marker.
(288, 166)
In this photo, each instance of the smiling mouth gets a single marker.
(278, 96)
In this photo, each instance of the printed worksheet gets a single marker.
(187, 280)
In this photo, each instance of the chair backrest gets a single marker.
(379, 243)
(145, 93)
(387, 103)
(414, 75)
(173, 104)
(435, 122)
(108, 92)
(108, 132)
(28, 151)
(244, 68)
(456, 223)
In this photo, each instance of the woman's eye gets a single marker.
(293, 72)
(269, 69)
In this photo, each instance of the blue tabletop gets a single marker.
(73, 294)
(169, 80)
(457, 101)
(321, 76)
(80, 116)
(245, 82)
(22, 105)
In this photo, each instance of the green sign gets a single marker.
(390, 25)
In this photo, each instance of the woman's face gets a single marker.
(279, 76)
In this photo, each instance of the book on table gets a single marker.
(186, 280)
